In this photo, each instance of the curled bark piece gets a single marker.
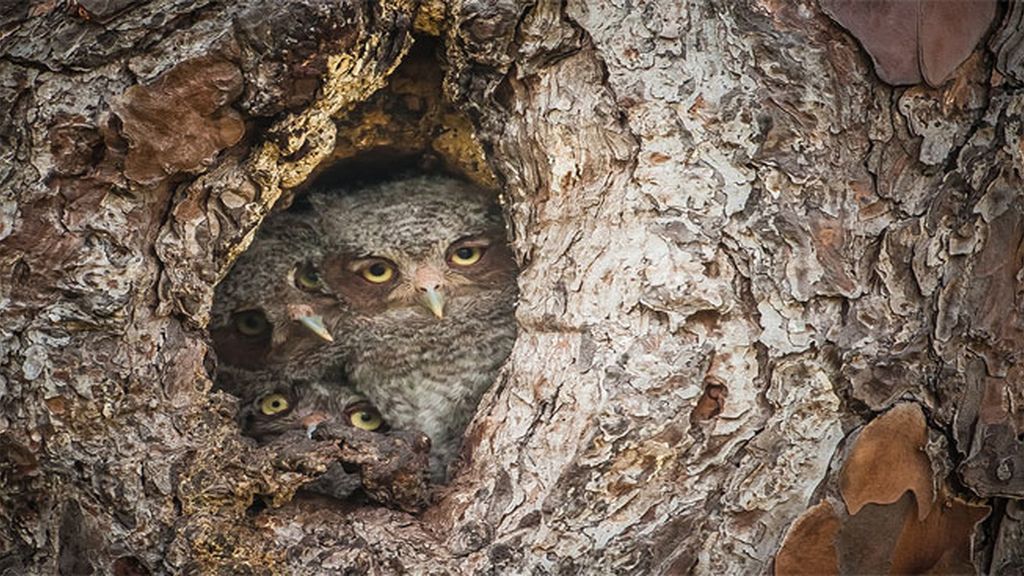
(810, 544)
(941, 543)
(914, 40)
(948, 33)
(180, 123)
(394, 465)
(887, 460)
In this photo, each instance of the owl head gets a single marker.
(263, 312)
(302, 406)
(420, 250)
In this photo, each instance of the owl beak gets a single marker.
(316, 324)
(303, 313)
(433, 301)
(311, 421)
(428, 281)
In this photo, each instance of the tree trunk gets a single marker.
(771, 308)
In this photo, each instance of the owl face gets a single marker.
(420, 286)
(303, 406)
(264, 312)
(422, 252)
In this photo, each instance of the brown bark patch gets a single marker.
(810, 544)
(883, 539)
(895, 524)
(16, 460)
(711, 403)
(887, 460)
(914, 40)
(180, 122)
(941, 543)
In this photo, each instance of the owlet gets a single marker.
(269, 410)
(262, 320)
(426, 288)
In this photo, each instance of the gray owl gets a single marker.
(426, 288)
(264, 319)
(270, 410)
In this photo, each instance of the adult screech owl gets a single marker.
(263, 324)
(426, 286)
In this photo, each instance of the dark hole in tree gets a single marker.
(425, 136)
(129, 566)
(258, 505)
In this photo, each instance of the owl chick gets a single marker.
(426, 286)
(262, 318)
(270, 410)
(267, 411)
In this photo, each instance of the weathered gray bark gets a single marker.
(739, 247)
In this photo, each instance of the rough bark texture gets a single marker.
(751, 273)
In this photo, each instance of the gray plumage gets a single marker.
(263, 319)
(270, 410)
(272, 348)
(445, 244)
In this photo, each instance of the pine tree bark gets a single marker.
(771, 307)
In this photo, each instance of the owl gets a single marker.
(262, 319)
(270, 410)
(387, 466)
(425, 285)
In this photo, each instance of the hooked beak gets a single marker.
(433, 301)
(316, 324)
(311, 421)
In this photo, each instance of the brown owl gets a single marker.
(426, 288)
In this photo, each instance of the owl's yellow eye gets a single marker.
(307, 277)
(368, 419)
(378, 272)
(251, 323)
(272, 404)
(466, 255)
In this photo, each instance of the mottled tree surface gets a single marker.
(771, 311)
